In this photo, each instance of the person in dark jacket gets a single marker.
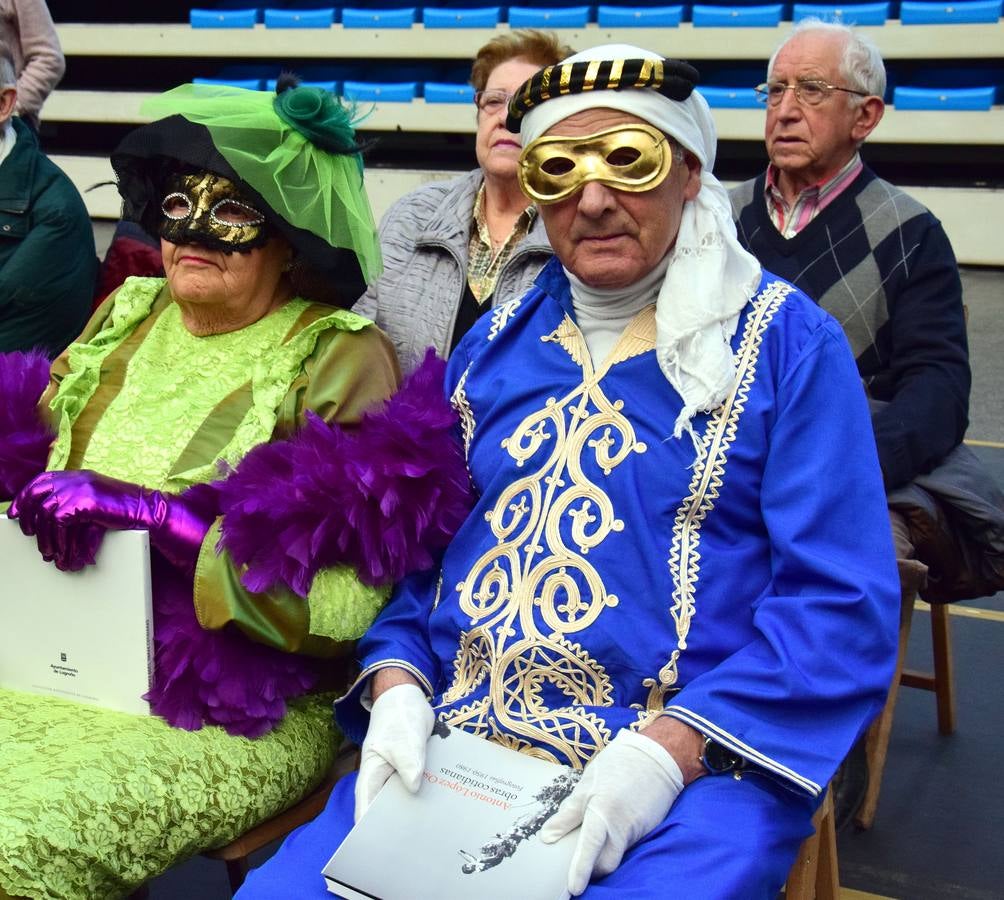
(48, 265)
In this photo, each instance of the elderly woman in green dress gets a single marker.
(259, 432)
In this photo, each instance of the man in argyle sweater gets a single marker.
(870, 255)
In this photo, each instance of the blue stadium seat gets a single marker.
(973, 98)
(849, 13)
(548, 17)
(730, 97)
(378, 18)
(299, 18)
(393, 92)
(441, 92)
(705, 16)
(731, 75)
(954, 73)
(380, 71)
(332, 87)
(639, 16)
(222, 18)
(912, 12)
(735, 5)
(442, 17)
(251, 84)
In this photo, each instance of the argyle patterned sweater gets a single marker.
(882, 265)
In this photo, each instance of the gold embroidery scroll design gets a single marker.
(529, 594)
(439, 591)
(501, 316)
(464, 412)
(708, 472)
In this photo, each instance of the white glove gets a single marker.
(623, 794)
(400, 724)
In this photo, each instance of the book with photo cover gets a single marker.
(470, 831)
(85, 636)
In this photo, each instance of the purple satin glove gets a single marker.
(69, 512)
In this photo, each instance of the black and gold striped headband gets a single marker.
(670, 77)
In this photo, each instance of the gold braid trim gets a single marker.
(709, 470)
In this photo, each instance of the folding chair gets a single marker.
(940, 681)
(814, 875)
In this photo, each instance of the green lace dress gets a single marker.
(97, 802)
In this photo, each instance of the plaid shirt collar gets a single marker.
(483, 262)
(789, 220)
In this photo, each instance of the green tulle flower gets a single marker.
(319, 117)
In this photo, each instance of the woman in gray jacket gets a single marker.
(454, 249)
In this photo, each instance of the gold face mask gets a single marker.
(627, 157)
(210, 210)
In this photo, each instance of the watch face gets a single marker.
(718, 758)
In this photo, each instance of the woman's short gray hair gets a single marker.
(861, 63)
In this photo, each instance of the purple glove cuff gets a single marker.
(178, 524)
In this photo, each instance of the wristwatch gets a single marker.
(718, 759)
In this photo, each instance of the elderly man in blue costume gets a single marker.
(678, 575)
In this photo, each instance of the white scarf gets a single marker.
(710, 277)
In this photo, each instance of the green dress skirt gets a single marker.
(96, 802)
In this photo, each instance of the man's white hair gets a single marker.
(861, 64)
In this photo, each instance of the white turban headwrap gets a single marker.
(710, 277)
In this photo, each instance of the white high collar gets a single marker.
(603, 314)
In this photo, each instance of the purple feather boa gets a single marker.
(216, 677)
(24, 437)
(383, 498)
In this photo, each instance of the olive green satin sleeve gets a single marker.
(337, 611)
(61, 364)
(348, 373)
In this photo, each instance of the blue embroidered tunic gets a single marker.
(609, 575)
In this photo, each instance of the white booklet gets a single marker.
(85, 636)
(470, 831)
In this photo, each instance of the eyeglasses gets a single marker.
(492, 100)
(809, 93)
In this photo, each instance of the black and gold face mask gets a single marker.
(210, 210)
(627, 157)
